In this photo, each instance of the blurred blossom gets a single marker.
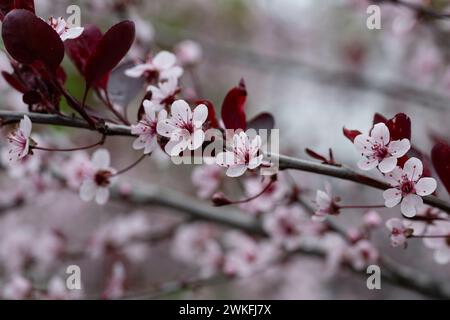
(115, 287)
(57, 290)
(188, 52)
(17, 288)
(207, 179)
(362, 254)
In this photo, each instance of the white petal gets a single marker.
(72, 33)
(409, 205)
(367, 164)
(442, 256)
(380, 133)
(102, 196)
(87, 190)
(25, 125)
(138, 144)
(394, 177)
(363, 144)
(255, 162)
(225, 159)
(399, 148)
(165, 127)
(149, 108)
(236, 171)
(425, 186)
(174, 72)
(196, 140)
(151, 146)
(387, 164)
(392, 197)
(394, 223)
(164, 60)
(200, 115)
(174, 147)
(101, 159)
(413, 169)
(181, 111)
(137, 71)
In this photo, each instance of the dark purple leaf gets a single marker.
(262, 121)
(212, 119)
(350, 134)
(233, 114)
(440, 157)
(7, 5)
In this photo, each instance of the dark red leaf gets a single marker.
(350, 134)
(13, 82)
(28, 38)
(262, 121)
(80, 49)
(7, 5)
(440, 157)
(315, 155)
(212, 119)
(377, 118)
(233, 114)
(113, 46)
(399, 127)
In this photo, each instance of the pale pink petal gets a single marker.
(87, 190)
(138, 144)
(380, 133)
(165, 127)
(367, 164)
(399, 148)
(174, 72)
(151, 146)
(138, 71)
(394, 177)
(387, 164)
(181, 111)
(164, 60)
(72, 33)
(225, 159)
(413, 169)
(102, 196)
(101, 159)
(363, 144)
(200, 115)
(196, 140)
(410, 204)
(392, 197)
(174, 147)
(26, 126)
(236, 171)
(149, 108)
(425, 186)
(394, 223)
(255, 162)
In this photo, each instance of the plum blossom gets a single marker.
(163, 65)
(244, 154)
(372, 219)
(63, 30)
(196, 244)
(399, 230)
(361, 254)
(57, 290)
(439, 241)
(378, 150)
(246, 256)
(183, 128)
(164, 93)
(115, 287)
(19, 140)
(97, 184)
(188, 52)
(77, 169)
(326, 204)
(146, 128)
(408, 187)
(207, 179)
(17, 288)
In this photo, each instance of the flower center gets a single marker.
(380, 151)
(407, 187)
(102, 178)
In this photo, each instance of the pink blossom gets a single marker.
(17, 288)
(164, 93)
(57, 290)
(196, 244)
(77, 169)
(247, 256)
(362, 254)
(97, 184)
(326, 204)
(183, 128)
(19, 140)
(115, 287)
(146, 128)
(372, 219)
(439, 242)
(163, 64)
(63, 30)
(207, 179)
(378, 150)
(399, 230)
(408, 187)
(244, 154)
(188, 52)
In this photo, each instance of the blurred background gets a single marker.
(313, 64)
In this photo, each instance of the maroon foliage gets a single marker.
(233, 114)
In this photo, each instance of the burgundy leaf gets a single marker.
(233, 114)
(377, 118)
(350, 134)
(113, 46)
(7, 5)
(315, 155)
(262, 121)
(440, 156)
(399, 126)
(213, 123)
(12, 80)
(28, 38)
(81, 48)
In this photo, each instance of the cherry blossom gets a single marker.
(164, 93)
(97, 184)
(399, 230)
(19, 140)
(326, 204)
(244, 154)
(183, 128)
(57, 290)
(438, 241)
(64, 31)
(163, 65)
(115, 287)
(188, 52)
(408, 187)
(362, 254)
(378, 150)
(207, 179)
(146, 128)
(77, 169)
(372, 219)
(18, 287)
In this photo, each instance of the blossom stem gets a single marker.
(102, 140)
(131, 166)
(430, 236)
(256, 195)
(362, 206)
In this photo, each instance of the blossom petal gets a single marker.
(26, 126)
(367, 164)
(409, 205)
(72, 33)
(165, 127)
(236, 171)
(413, 169)
(255, 162)
(363, 144)
(87, 190)
(164, 60)
(196, 140)
(425, 186)
(101, 159)
(387, 164)
(394, 223)
(181, 111)
(394, 177)
(174, 72)
(102, 196)
(399, 148)
(137, 71)
(225, 159)
(392, 197)
(380, 133)
(200, 115)
(174, 147)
